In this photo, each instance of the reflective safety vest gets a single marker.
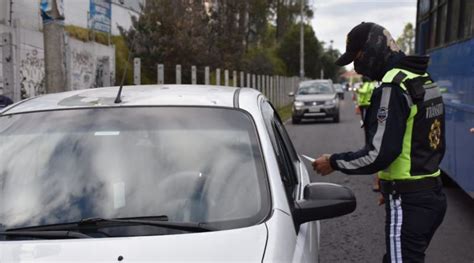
(364, 93)
(423, 142)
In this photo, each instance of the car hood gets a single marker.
(315, 97)
(242, 245)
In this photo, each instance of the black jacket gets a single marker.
(383, 145)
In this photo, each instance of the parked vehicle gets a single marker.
(450, 44)
(172, 173)
(315, 99)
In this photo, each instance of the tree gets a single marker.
(230, 34)
(230, 27)
(170, 32)
(328, 64)
(289, 51)
(286, 13)
(406, 41)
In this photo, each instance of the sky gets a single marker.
(333, 19)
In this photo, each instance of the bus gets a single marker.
(445, 32)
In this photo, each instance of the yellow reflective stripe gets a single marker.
(390, 75)
(400, 168)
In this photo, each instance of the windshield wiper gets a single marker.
(186, 226)
(45, 234)
(96, 223)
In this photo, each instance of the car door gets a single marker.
(295, 177)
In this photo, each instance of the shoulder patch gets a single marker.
(382, 114)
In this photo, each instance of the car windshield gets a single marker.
(192, 164)
(315, 88)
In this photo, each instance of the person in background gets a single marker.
(5, 101)
(364, 93)
(405, 141)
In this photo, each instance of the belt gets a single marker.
(409, 186)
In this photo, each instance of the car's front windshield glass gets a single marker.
(315, 88)
(192, 164)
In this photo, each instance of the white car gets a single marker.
(172, 173)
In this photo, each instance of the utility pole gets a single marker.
(54, 55)
(302, 42)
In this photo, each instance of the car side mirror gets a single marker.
(291, 94)
(324, 200)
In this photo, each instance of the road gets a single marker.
(359, 237)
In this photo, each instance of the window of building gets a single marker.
(424, 8)
(468, 19)
(442, 14)
(453, 20)
(433, 26)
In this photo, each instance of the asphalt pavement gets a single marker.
(359, 237)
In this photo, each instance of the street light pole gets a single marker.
(302, 43)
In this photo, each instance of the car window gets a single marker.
(315, 88)
(286, 157)
(191, 164)
(286, 138)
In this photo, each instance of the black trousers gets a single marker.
(410, 223)
(363, 111)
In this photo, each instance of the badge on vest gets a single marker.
(382, 114)
(435, 134)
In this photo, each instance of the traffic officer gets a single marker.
(364, 93)
(405, 134)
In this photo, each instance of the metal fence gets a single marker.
(275, 88)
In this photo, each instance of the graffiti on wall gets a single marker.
(32, 76)
(82, 70)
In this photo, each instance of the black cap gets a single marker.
(355, 41)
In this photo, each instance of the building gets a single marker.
(88, 65)
(76, 12)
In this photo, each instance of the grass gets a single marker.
(285, 112)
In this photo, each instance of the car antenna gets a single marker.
(118, 99)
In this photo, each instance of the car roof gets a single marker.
(315, 81)
(143, 95)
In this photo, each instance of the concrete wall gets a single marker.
(28, 15)
(31, 66)
(1, 71)
(121, 16)
(89, 65)
(4, 11)
(25, 11)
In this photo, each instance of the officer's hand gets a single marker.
(472, 130)
(322, 165)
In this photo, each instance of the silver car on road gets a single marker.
(315, 99)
